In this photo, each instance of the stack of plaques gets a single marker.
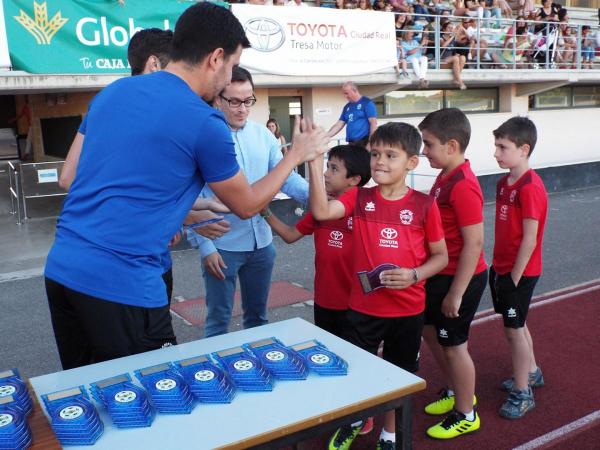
(169, 392)
(320, 359)
(281, 361)
(73, 417)
(12, 384)
(208, 382)
(245, 369)
(15, 433)
(126, 404)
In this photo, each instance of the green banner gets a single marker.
(81, 36)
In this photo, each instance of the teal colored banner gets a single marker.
(81, 36)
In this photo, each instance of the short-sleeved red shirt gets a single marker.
(333, 259)
(525, 199)
(459, 197)
(396, 232)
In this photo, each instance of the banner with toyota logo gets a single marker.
(317, 41)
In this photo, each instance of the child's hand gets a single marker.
(397, 278)
(450, 306)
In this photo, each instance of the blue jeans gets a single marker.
(254, 269)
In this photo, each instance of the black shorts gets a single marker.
(401, 337)
(332, 320)
(509, 300)
(90, 330)
(452, 331)
(168, 279)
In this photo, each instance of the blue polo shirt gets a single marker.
(150, 146)
(357, 115)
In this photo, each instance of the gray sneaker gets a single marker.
(536, 380)
(517, 404)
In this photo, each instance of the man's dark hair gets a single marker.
(519, 130)
(148, 42)
(398, 134)
(356, 159)
(240, 75)
(446, 124)
(204, 27)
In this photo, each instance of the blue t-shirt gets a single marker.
(357, 115)
(165, 258)
(150, 145)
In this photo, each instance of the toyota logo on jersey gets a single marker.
(337, 235)
(335, 239)
(388, 238)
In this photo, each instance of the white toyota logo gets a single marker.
(336, 235)
(504, 209)
(204, 375)
(389, 233)
(243, 365)
(265, 35)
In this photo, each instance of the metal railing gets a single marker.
(32, 180)
(494, 42)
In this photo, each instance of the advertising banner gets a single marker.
(317, 41)
(81, 36)
(4, 57)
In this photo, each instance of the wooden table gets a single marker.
(292, 412)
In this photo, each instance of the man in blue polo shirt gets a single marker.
(151, 143)
(359, 116)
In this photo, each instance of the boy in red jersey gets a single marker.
(521, 209)
(454, 294)
(347, 168)
(396, 226)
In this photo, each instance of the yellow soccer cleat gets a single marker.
(454, 425)
(444, 404)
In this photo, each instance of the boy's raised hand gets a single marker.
(308, 140)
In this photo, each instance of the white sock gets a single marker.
(450, 392)
(470, 416)
(357, 424)
(387, 436)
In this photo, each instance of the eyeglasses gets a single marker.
(236, 103)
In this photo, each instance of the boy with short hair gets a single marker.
(521, 210)
(392, 225)
(347, 168)
(453, 295)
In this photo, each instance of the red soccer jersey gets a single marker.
(525, 199)
(396, 232)
(333, 259)
(460, 200)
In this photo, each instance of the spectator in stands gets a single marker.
(449, 55)
(273, 126)
(350, 4)
(566, 50)
(413, 53)
(340, 4)
(516, 46)
(400, 6)
(403, 23)
(547, 13)
(478, 45)
(295, 3)
(402, 67)
(522, 7)
(588, 50)
(359, 116)
(279, 3)
(365, 5)
(379, 5)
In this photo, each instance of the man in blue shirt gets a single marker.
(151, 144)
(247, 250)
(359, 116)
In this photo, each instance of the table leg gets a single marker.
(404, 424)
